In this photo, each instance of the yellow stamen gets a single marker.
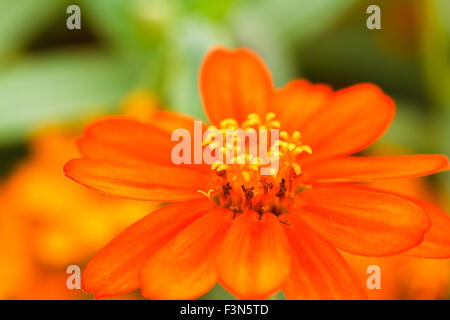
(208, 194)
(246, 166)
(246, 175)
(296, 168)
(222, 167)
(270, 116)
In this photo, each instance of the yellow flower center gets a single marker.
(242, 183)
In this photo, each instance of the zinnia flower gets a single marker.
(48, 223)
(68, 222)
(257, 234)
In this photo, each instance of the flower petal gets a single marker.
(297, 101)
(115, 269)
(126, 140)
(169, 121)
(436, 243)
(233, 84)
(253, 261)
(373, 168)
(318, 270)
(185, 267)
(363, 221)
(351, 120)
(129, 141)
(148, 182)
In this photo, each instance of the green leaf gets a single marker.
(136, 30)
(20, 20)
(131, 26)
(217, 293)
(58, 87)
(409, 128)
(275, 28)
(189, 41)
(299, 19)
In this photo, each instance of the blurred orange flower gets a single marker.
(253, 233)
(404, 277)
(48, 223)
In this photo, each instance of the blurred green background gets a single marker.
(49, 74)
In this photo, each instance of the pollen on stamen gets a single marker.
(239, 175)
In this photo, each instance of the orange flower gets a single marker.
(257, 234)
(48, 223)
(404, 277)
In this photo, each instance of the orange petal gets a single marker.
(125, 140)
(185, 267)
(363, 221)
(318, 270)
(148, 182)
(253, 261)
(115, 269)
(436, 243)
(170, 121)
(297, 101)
(351, 120)
(373, 168)
(233, 84)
